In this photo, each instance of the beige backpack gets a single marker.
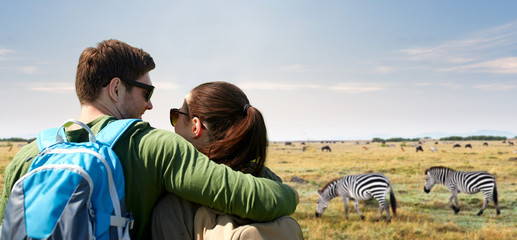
(211, 224)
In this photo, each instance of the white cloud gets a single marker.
(383, 69)
(276, 86)
(480, 52)
(4, 52)
(497, 86)
(356, 87)
(450, 85)
(450, 52)
(28, 69)
(423, 84)
(501, 66)
(53, 87)
(346, 87)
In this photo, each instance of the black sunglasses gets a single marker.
(175, 114)
(147, 95)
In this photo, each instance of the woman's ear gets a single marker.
(197, 127)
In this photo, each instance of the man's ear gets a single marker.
(197, 127)
(116, 89)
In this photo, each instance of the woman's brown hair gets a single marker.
(237, 132)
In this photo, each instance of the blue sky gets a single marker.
(316, 69)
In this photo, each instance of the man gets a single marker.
(113, 82)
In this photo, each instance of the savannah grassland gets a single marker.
(419, 215)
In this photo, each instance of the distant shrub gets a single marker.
(398, 139)
(473, 138)
(16, 139)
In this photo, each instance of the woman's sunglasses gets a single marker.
(175, 114)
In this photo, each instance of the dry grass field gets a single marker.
(419, 215)
(7, 152)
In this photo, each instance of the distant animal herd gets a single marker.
(418, 147)
(364, 187)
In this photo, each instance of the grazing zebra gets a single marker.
(466, 182)
(358, 187)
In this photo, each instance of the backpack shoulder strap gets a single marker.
(57, 135)
(112, 132)
(48, 137)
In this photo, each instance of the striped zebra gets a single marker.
(358, 187)
(465, 182)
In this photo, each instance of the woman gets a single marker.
(217, 118)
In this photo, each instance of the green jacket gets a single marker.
(156, 162)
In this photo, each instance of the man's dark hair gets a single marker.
(111, 58)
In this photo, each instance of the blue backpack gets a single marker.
(72, 190)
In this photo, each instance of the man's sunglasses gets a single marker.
(175, 114)
(147, 95)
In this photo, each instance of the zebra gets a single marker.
(466, 182)
(358, 187)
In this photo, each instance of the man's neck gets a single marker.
(90, 112)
